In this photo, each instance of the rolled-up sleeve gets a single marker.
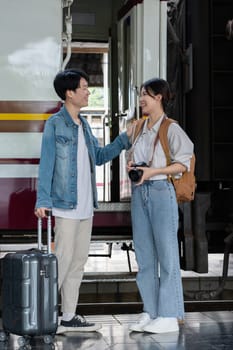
(181, 147)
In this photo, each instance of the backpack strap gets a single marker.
(163, 137)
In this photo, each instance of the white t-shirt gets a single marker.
(84, 209)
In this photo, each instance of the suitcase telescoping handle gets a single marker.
(49, 231)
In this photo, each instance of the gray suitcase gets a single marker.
(30, 292)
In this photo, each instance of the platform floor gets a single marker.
(201, 330)
(207, 331)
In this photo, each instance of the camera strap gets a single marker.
(137, 133)
(155, 143)
(135, 136)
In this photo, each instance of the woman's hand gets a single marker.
(147, 173)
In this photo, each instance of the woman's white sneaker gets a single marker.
(141, 323)
(162, 325)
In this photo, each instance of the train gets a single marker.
(120, 44)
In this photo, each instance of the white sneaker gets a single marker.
(141, 323)
(162, 325)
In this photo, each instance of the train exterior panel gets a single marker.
(30, 56)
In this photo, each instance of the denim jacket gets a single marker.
(57, 181)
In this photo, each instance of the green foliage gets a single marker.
(96, 98)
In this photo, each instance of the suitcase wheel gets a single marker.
(4, 336)
(24, 342)
(48, 339)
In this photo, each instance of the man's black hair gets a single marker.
(69, 79)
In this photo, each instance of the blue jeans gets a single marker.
(155, 224)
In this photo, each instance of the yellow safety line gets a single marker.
(24, 116)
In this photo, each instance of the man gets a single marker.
(67, 185)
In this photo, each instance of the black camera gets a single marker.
(136, 174)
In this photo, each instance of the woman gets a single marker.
(154, 213)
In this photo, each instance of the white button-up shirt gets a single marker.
(181, 147)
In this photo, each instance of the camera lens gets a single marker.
(135, 175)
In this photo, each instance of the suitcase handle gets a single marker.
(49, 231)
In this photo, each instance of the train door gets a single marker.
(142, 54)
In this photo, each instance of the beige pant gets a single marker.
(72, 242)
